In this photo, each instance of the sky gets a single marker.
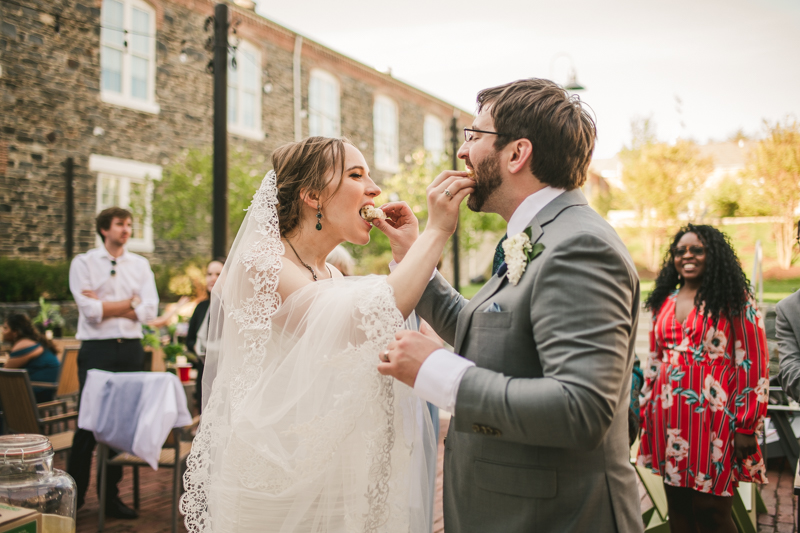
(699, 69)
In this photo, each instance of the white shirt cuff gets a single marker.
(393, 264)
(439, 378)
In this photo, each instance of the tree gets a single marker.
(660, 180)
(182, 200)
(773, 174)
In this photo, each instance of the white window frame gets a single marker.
(238, 127)
(433, 136)
(386, 135)
(124, 98)
(128, 171)
(316, 109)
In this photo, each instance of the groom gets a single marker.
(540, 380)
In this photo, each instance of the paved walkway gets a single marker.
(154, 516)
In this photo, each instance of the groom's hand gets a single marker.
(402, 228)
(406, 355)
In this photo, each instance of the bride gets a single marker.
(300, 433)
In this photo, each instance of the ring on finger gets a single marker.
(385, 356)
(448, 193)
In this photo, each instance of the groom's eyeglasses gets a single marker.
(113, 267)
(469, 133)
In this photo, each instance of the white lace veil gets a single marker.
(300, 433)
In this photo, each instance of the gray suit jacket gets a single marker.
(787, 329)
(539, 439)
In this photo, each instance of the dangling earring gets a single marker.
(319, 218)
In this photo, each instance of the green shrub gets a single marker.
(27, 281)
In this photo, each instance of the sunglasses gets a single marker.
(113, 267)
(695, 250)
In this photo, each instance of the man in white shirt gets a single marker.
(539, 384)
(115, 291)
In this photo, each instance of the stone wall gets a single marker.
(51, 110)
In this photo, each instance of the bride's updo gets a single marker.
(304, 165)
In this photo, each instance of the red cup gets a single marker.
(183, 372)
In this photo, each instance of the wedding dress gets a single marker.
(300, 433)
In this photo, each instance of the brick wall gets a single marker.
(51, 110)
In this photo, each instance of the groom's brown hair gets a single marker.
(560, 130)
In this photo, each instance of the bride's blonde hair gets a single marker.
(304, 165)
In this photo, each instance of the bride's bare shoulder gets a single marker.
(291, 278)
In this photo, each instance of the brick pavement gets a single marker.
(154, 516)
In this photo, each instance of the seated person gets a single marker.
(33, 352)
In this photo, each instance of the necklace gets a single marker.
(313, 273)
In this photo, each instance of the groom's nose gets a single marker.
(463, 152)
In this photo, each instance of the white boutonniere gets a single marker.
(518, 253)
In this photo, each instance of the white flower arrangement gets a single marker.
(518, 253)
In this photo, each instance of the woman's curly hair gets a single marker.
(724, 288)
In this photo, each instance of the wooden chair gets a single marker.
(23, 415)
(67, 385)
(173, 455)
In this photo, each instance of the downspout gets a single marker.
(298, 96)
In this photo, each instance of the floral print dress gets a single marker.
(702, 385)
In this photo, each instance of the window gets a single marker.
(386, 135)
(323, 105)
(127, 184)
(128, 55)
(244, 92)
(433, 137)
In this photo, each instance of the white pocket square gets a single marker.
(494, 308)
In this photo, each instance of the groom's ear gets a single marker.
(520, 153)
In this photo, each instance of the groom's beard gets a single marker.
(487, 180)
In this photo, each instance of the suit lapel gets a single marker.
(549, 213)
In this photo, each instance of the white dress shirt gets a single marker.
(440, 375)
(92, 271)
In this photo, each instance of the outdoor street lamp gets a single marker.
(572, 84)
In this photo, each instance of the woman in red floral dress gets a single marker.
(706, 381)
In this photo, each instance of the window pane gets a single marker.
(249, 78)
(138, 191)
(111, 69)
(248, 110)
(112, 23)
(434, 137)
(140, 39)
(232, 105)
(109, 191)
(139, 77)
(385, 125)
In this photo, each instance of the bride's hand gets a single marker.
(402, 229)
(445, 195)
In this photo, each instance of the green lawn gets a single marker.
(774, 290)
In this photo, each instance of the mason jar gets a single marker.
(28, 480)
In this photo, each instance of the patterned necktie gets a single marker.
(499, 255)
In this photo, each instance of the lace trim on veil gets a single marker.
(254, 318)
(380, 319)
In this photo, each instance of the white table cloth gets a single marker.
(133, 411)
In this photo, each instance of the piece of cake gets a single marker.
(370, 213)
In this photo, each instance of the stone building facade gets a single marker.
(122, 87)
